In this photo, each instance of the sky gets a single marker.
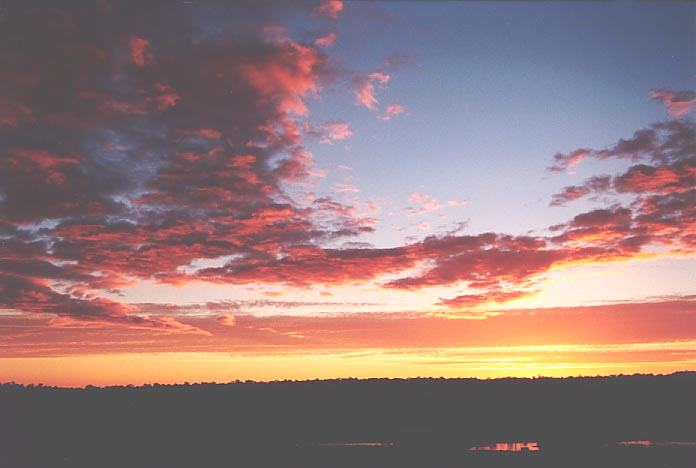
(217, 191)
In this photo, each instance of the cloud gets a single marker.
(455, 203)
(399, 60)
(13, 112)
(643, 178)
(365, 88)
(33, 297)
(133, 169)
(661, 142)
(330, 132)
(140, 51)
(346, 188)
(484, 260)
(573, 192)
(468, 301)
(303, 266)
(330, 8)
(424, 204)
(227, 320)
(124, 167)
(678, 103)
(659, 215)
(664, 324)
(603, 225)
(638, 179)
(36, 183)
(660, 188)
(562, 162)
(393, 110)
(285, 76)
(488, 262)
(239, 307)
(669, 220)
(326, 41)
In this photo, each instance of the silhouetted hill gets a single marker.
(354, 423)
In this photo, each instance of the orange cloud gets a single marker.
(228, 320)
(468, 301)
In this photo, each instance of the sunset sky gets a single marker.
(211, 191)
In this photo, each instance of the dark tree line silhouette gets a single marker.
(425, 422)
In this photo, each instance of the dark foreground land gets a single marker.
(631, 421)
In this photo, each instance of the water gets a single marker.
(657, 443)
(529, 446)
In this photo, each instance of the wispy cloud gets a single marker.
(678, 103)
(365, 88)
(326, 41)
(423, 204)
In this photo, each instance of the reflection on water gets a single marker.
(371, 443)
(513, 446)
(657, 443)
(507, 447)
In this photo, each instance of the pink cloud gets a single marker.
(335, 131)
(659, 142)
(457, 202)
(223, 144)
(209, 133)
(393, 110)
(286, 78)
(664, 179)
(424, 204)
(326, 41)
(329, 132)
(330, 8)
(206, 179)
(574, 192)
(562, 162)
(162, 98)
(488, 297)
(346, 188)
(365, 88)
(677, 102)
